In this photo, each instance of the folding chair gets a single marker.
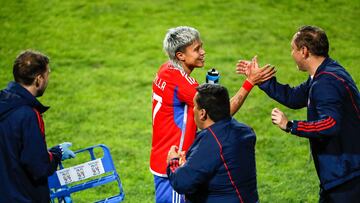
(102, 171)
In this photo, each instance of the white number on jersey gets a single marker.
(158, 99)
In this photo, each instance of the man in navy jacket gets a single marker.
(25, 162)
(333, 115)
(220, 164)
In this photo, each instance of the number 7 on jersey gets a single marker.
(158, 99)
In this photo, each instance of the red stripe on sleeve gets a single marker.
(317, 128)
(305, 124)
(310, 125)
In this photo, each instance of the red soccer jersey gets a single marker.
(173, 89)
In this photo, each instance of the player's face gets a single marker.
(43, 82)
(194, 55)
(197, 113)
(297, 54)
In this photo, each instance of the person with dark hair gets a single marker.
(220, 164)
(25, 161)
(173, 91)
(333, 114)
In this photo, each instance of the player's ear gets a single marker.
(203, 114)
(180, 56)
(305, 52)
(37, 80)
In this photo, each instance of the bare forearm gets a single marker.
(255, 75)
(237, 100)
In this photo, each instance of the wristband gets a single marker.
(289, 126)
(247, 85)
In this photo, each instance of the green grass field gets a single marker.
(104, 55)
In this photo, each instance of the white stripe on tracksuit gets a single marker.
(183, 128)
(176, 198)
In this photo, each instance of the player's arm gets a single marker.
(327, 98)
(186, 90)
(294, 98)
(254, 76)
(196, 171)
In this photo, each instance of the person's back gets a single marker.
(220, 164)
(238, 147)
(16, 111)
(25, 161)
(234, 180)
(340, 140)
(332, 72)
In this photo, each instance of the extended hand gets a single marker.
(65, 151)
(254, 74)
(243, 67)
(279, 118)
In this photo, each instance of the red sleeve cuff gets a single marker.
(174, 164)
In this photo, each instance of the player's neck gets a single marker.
(208, 123)
(187, 69)
(315, 64)
(205, 123)
(31, 89)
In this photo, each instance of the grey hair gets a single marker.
(177, 39)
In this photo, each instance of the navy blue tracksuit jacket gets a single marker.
(333, 120)
(220, 165)
(25, 162)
